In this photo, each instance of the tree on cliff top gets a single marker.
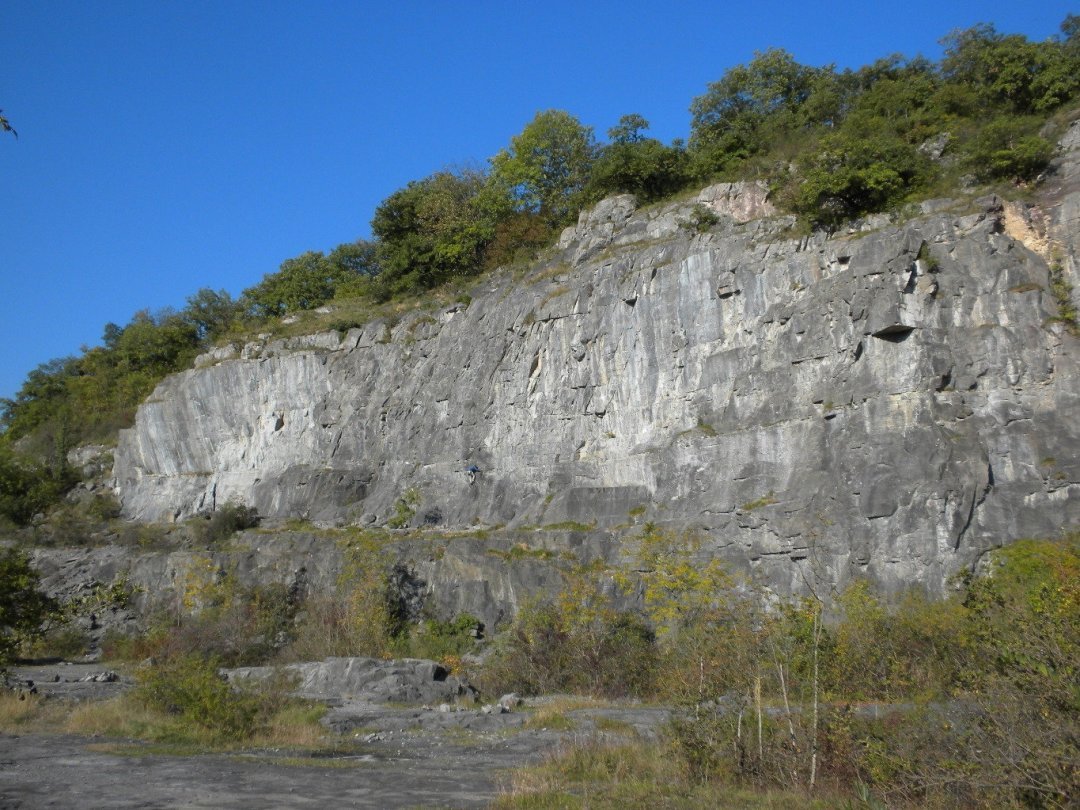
(307, 281)
(547, 165)
(752, 105)
(434, 230)
(637, 164)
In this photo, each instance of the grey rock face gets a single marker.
(405, 680)
(889, 402)
(486, 576)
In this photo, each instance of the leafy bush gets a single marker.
(27, 488)
(549, 650)
(444, 641)
(701, 219)
(63, 641)
(24, 607)
(405, 509)
(1008, 149)
(577, 642)
(992, 672)
(237, 626)
(849, 176)
(191, 689)
(308, 281)
(517, 238)
(227, 520)
(918, 647)
(982, 688)
(369, 612)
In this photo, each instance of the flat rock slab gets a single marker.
(74, 682)
(402, 765)
(38, 771)
(385, 757)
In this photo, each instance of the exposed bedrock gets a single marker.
(891, 401)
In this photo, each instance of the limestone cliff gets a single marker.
(888, 401)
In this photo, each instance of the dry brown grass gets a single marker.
(17, 711)
(295, 725)
(592, 774)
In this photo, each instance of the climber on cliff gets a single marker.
(470, 473)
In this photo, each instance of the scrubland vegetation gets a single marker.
(969, 701)
(972, 700)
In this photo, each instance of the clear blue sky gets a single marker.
(168, 145)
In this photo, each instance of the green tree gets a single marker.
(1010, 72)
(898, 97)
(749, 108)
(637, 164)
(1008, 148)
(1070, 28)
(305, 282)
(629, 129)
(210, 312)
(547, 165)
(42, 394)
(849, 176)
(433, 230)
(23, 606)
(27, 488)
(77, 399)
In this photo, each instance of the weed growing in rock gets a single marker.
(1062, 291)
(405, 509)
(701, 219)
(224, 522)
(765, 500)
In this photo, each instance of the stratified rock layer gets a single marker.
(891, 401)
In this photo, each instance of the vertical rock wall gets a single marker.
(890, 402)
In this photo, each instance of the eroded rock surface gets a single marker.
(890, 401)
(374, 680)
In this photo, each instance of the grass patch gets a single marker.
(548, 273)
(548, 718)
(569, 526)
(522, 551)
(598, 775)
(293, 724)
(558, 292)
(767, 500)
(20, 711)
(613, 725)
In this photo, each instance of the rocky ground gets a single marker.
(389, 756)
